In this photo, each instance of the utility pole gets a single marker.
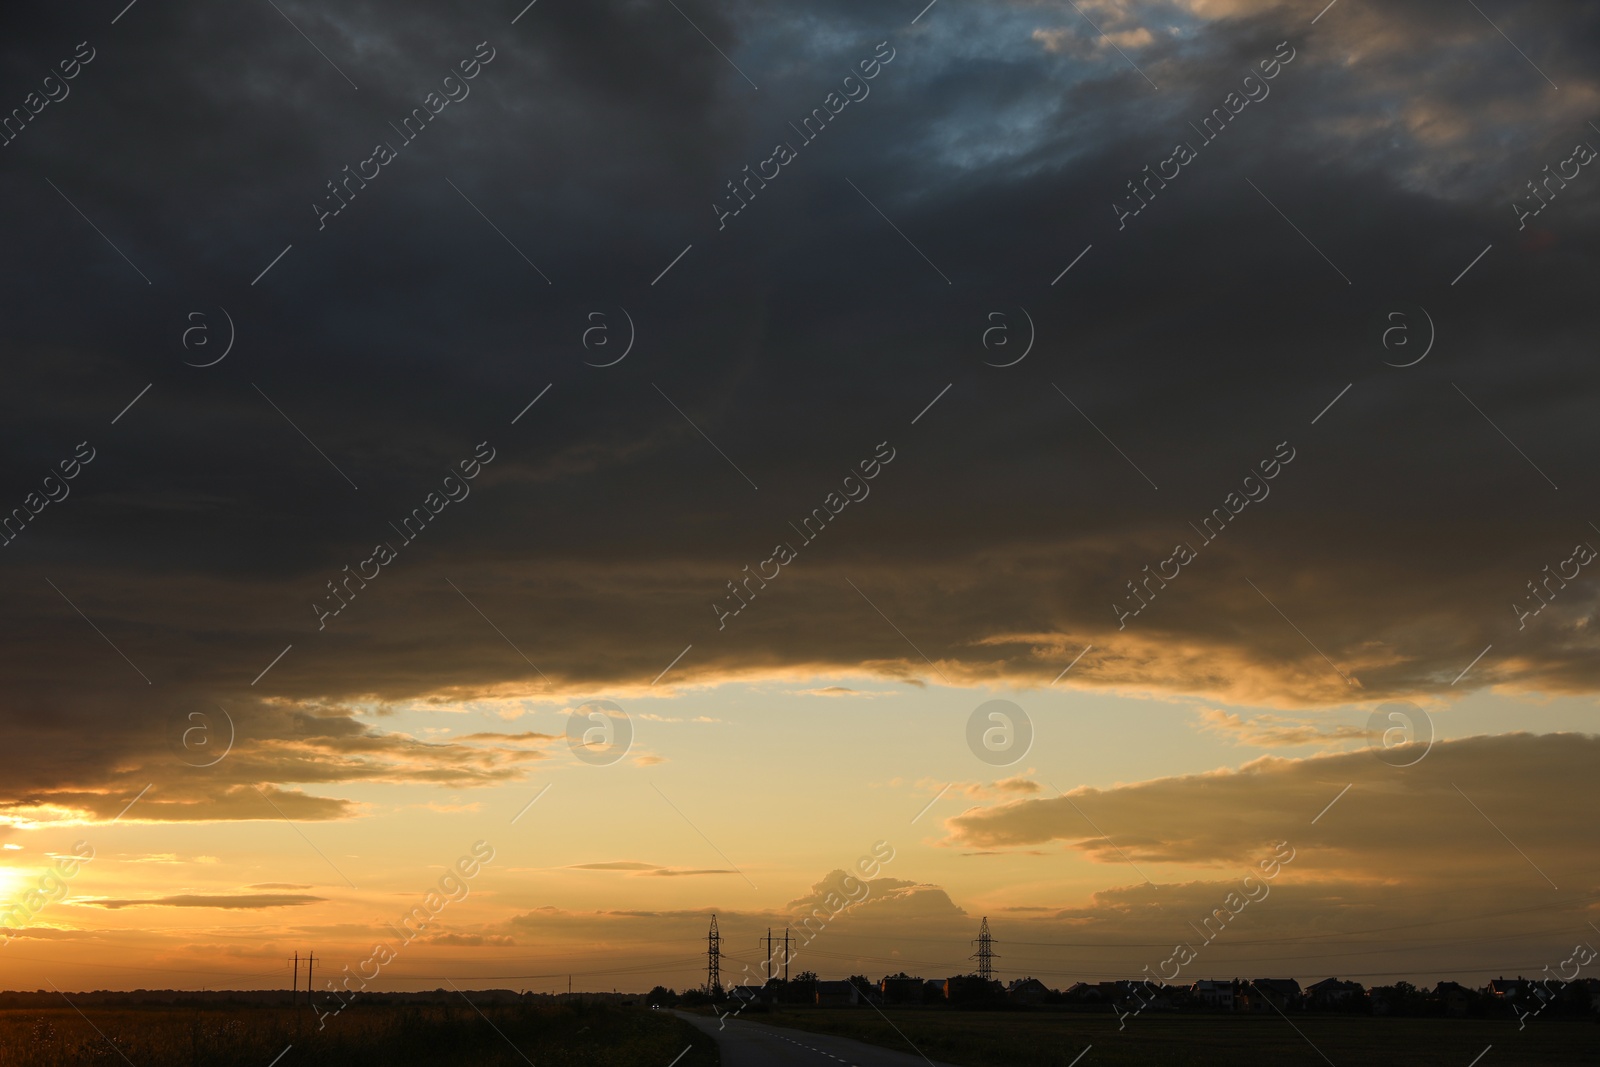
(310, 958)
(768, 968)
(985, 954)
(713, 959)
(785, 955)
(294, 991)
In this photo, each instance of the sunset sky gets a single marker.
(982, 323)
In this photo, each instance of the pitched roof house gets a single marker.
(1265, 994)
(837, 994)
(1027, 991)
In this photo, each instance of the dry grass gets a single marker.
(379, 1035)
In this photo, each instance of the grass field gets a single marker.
(1007, 1039)
(379, 1035)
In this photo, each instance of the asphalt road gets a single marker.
(749, 1044)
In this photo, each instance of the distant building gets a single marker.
(1591, 986)
(1506, 988)
(1027, 991)
(751, 995)
(1455, 999)
(902, 989)
(1119, 991)
(1214, 994)
(1332, 993)
(837, 995)
(1265, 994)
(969, 988)
(1169, 998)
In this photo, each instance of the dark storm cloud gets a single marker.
(83, 761)
(598, 139)
(1180, 819)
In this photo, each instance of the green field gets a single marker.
(1026, 1039)
(375, 1035)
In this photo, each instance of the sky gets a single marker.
(625, 450)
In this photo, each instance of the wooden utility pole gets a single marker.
(294, 991)
(785, 955)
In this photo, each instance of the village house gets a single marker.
(1454, 998)
(901, 989)
(1265, 994)
(838, 995)
(1330, 993)
(1027, 991)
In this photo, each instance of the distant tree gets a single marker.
(662, 997)
(1574, 999)
(1402, 998)
(803, 988)
(1411, 997)
(863, 983)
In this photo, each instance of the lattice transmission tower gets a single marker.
(713, 959)
(985, 954)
